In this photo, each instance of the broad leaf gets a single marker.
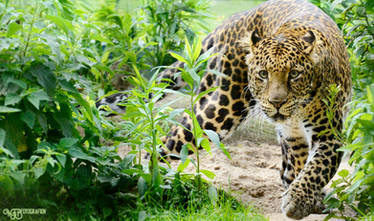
(38, 172)
(11, 99)
(36, 97)
(45, 77)
(62, 159)
(13, 28)
(29, 118)
(68, 142)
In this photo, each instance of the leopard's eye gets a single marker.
(263, 74)
(294, 74)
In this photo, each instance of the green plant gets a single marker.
(57, 151)
(51, 135)
(355, 190)
(170, 21)
(147, 120)
(192, 73)
(122, 38)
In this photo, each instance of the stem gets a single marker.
(30, 30)
(154, 161)
(196, 147)
(140, 157)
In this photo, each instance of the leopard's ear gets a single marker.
(309, 40)
(309, 45)
(250, 41)
(255, 38)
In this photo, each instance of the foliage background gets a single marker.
(57, 151)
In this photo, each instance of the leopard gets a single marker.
(280, 58)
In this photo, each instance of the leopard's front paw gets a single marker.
(297, 204)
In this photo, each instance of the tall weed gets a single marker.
(192, 73)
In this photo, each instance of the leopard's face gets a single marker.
(280, 76)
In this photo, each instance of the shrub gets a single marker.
(355, 190)
(56, 150)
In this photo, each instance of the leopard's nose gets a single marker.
(276, 101)
(278, 93)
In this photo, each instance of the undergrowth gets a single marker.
(57, 151)
(355, 190)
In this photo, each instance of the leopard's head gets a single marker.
(281, 72)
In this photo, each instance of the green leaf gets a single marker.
(19, 177)
(4, 109)
(142, 186)
(12, 99)
(178, 57)
(86, 106)
(68, 142)
(343, 173)
(183, 165)
(208, 173)
(6, 151)
(205, 57)
(66, 85)
(78, 153)
(203, 93)
(205, 144)
(19, 83)
(224, 150)
(13, 28)
(62, 159)
(126, 162)
(189, 51)
(42, 119)
(38, 171)
(36, 97)
(29, 118)
(333, 203)
(62, 23)
(187, 78)
(192, 73)
(361, 11)
(213, 136)
(45, 77)
(213, 196)
(197, 49)
(184, 152)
